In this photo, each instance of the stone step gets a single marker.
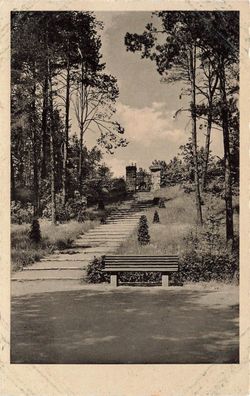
(48, 274)
(124, 215)
(99, 251)
(110, 243)
(90, 238)
(103, 241)
(110, 229)
(122, 223)
(64, 258)
(124, 233)
(56, 266)
(97, 240)
(80, 244)
(117, 227)
(127, 213)
(123, 218)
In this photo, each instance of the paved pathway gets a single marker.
(101, 325)
(71, 264)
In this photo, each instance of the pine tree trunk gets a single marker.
(66, 137)
(52, 179)
(206, 153)
(13, 183)
(45, 137)
(80, 163)
(35, 152)
(227, 158)
(81, 132)
(194, 134)
(52, 153)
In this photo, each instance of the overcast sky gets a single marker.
(145, 106)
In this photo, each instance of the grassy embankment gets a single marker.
(24, 252)
(177, 220)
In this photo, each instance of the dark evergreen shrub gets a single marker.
(35, 233)
(156, 218)
(143, 234)
(156, 201)
(95, 273)
(161, 203)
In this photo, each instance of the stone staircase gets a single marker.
(71, 264)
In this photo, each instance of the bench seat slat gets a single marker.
(140, 269)
(142, 260)
(140, 257)
(141, 265)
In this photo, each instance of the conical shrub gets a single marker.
(156, 218)
(143, 234)
(35, 232)
(161, 203)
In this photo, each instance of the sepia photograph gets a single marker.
(125, 187)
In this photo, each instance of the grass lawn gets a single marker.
(24, 252)
(176, 222)
(127, 325)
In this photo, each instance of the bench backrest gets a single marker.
(141, 263)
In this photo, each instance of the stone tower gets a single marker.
(155, 177)
(131, 178)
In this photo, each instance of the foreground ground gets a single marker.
(97, 324)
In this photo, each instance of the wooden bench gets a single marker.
(162, 264)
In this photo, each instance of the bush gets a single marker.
(143, 235)
(140, 277)
(206, 257)
(35, 233)
(21, 213)
(95, 273)
(75, 208)
(156, 201)
(156, 218)
(161, 203)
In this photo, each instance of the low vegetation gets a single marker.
(202, 249)
(24, 251)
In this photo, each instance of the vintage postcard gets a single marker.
(125, 198)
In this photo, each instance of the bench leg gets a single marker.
(164, 280)
(113, 280)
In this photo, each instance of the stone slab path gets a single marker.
(71, 264)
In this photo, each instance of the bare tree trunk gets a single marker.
(45, 142)
(35, 151)
(206, 152)
(227, 157)
(52, 154)
(194, 134)
(66, 137)
(13, 183)
(81, 132)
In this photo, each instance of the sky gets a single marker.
(146, 106)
